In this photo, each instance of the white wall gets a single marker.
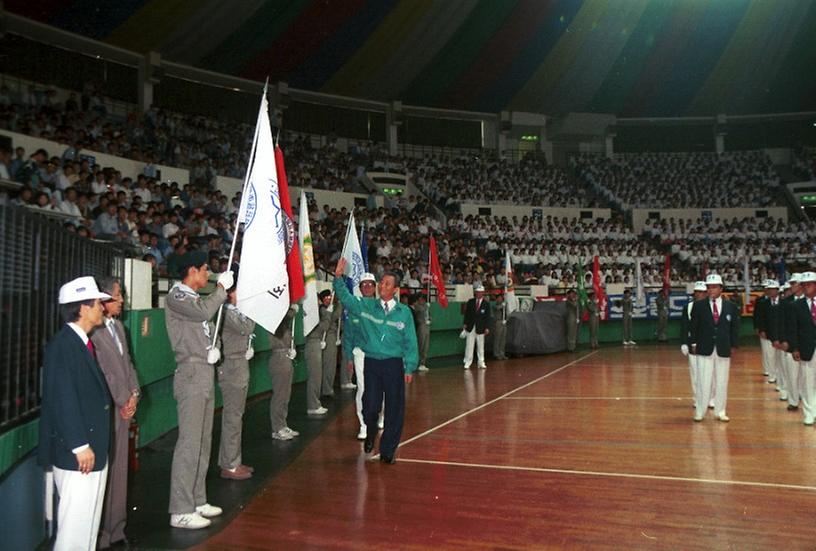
(513, 210)
(640, 216)
(128, 167)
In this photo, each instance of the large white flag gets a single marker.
(311, 312)
(355, 268)
(263, 283)
(510, 298)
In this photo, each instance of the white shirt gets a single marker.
(391, 304)
(718, 301)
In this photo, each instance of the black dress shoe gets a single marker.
(369, 443)
(390, 459)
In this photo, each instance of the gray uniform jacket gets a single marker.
(187, 317)
(281, 340)
(322, 326)
(627, 305)
(237, 330)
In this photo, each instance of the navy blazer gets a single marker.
(803, 335)
(761, 313)
(76, 404)
(480, 319)
(685, 324)
(707, 336)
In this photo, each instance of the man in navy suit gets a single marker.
(75, 420)
(477, 325)
(714, 332)
(803, 343)
(700, 292)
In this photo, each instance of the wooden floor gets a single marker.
(570, 451)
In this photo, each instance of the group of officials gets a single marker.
(785, 321)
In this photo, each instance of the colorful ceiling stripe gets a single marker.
(629, 57)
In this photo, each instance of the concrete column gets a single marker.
(719, 143)
(148, 75)
(610, 146)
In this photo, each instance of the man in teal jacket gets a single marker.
(387, 336)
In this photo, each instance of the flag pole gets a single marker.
(350, 227)
(506, 275)
(243, 198)
(428, 276)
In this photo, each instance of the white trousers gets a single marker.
(793, 379)
(478, 340)
(768, 359)
(692, 361)
(808, 370)
(714, 368)
(80, 508)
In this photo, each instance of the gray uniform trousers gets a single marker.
(280, 371)
(314, 364)
(627, 327)
(499, 339)
(330, 354)
(194, 393)
(423, 332)
(593, 329)
(233, 379)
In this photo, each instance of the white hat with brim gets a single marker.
(700, 286)
(79, 289)
(478, 288)
(784, 287)
(795, 278)
(368, 276)
(713, 279)
(771, 284)
(807, 277)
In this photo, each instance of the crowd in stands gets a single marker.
(451, 183)
(681, 180)
(723, 245)
(804, 163)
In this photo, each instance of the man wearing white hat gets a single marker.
(700, 292)
(477, 323)
(790, 388)
(762, 311)
(75, 420)
(714, 332)
(803, 343)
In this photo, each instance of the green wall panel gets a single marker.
(17, 442)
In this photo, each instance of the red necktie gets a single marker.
(91, 348)
(715, 312)
(813, 310)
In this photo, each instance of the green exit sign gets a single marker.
(529, 138)
(392, 191)
(808, 199)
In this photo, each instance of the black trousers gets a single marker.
(384, 379)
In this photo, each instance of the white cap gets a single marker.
(785, 286)
(368, 276)
(478, 288)
(771, 284)
(795, 278)
(713, 279)
(79, 289)
(807, 277)
(700, 286)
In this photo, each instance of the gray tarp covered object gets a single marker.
(542, 331)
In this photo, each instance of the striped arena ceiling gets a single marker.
(628, 57)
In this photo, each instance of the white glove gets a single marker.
(684, 349)
(250, 353)
(427, 322)
(291, 353)
(322, 345)
(504, 322)
(213, 355)
(295, 308)
(463, 334)
(337, 342)
(226, 279)
(357, 352)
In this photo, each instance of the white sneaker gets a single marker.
(208, 511)
(632, 343)
(467, 366)
(189, 521)
(809, 421)
(625, 343)
(482, 366)
(381, 422)
(281, 435)
(319, 411)
(291, 432)
(783, 396)
(348, 386)
(363, 433)
(422, 368)
(723, 417)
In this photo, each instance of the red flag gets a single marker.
(600, 295)
(294, 268)
(436, 275)
(667, 274)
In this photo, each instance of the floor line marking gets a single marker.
(494, 400)
(677, 398)
(612, 474)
